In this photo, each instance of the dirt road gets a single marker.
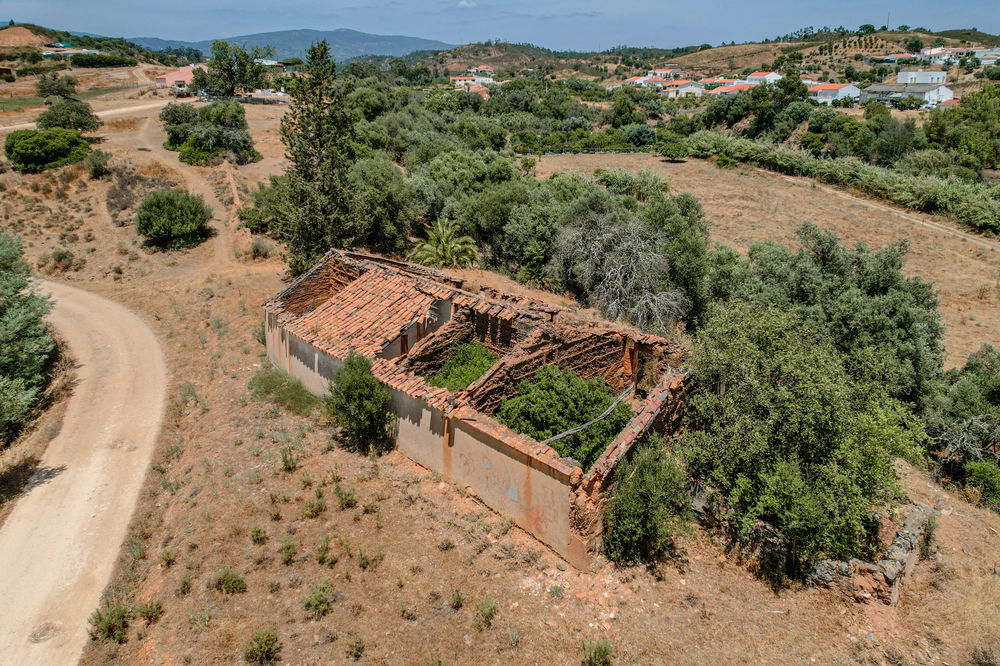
(117, 111)
(59, 545)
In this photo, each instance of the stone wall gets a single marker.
(867, 581)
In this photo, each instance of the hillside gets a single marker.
(344, 43)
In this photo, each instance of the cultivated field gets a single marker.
(413, 557)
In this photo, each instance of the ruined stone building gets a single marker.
(407, 318)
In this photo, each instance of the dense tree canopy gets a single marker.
(787, 434)
(26, 348)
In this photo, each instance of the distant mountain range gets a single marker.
(344, 43)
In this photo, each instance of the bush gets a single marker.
(168, 218)
(178, 113)
(647, 506)
(486, 612)
(150, 611)
(270, 383)
(111, 621)
(597, 653)
(985, 475)
(207, 135)
(263, 647)
(69, 114)
(467, 364)
(788, 437)
(556, 400)
(101, 60)
(27, 349)
(360, 405)
(319, 600)
(228, 581)
(96, 164)
(33, 151)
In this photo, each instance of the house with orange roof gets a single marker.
(409, 320)
(181, 77)
(828, 93)
(764, 77)
(682, 88)
(733, 89)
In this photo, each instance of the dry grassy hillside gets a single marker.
(381, 561)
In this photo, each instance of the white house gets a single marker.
(941, 54)
(932, 94)
(827, 93)
(920, 76)
(764, 77)
(467, 82)
(682, 88)
(666, 73)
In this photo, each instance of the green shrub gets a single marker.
(985, 475)
(360, 405)
(258, 535)
(27, 349)
(597, 653)
(355, 648)
(178, 113)
(486, 612)
(647, 506)
(111, 621)
(468, 363)
(788, 437)
(557, 400)
(168, 218)
(228, 581)
(33, 151)
(207, 135)
(101, 60)
(96, 164)
(288, 551)
(270, 383)
(69, 114)
(319, 599)
(150, 611)
(263, 647)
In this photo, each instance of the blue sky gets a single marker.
(558, 24)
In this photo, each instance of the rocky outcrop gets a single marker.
(865, 581)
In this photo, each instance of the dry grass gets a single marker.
(749, 205)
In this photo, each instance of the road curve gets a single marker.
(59, 545)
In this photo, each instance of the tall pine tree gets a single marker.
(318, 134)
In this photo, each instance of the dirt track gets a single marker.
(130, 108)
(59, 545)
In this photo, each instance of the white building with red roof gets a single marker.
(764, 77)
(682, 88)
(827, 93)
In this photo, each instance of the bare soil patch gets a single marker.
(18, 36)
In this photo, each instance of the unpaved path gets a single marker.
(59, 545)
(119, 110)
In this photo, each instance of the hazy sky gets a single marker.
(558, 24)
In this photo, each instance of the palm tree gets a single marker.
(444, 247)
